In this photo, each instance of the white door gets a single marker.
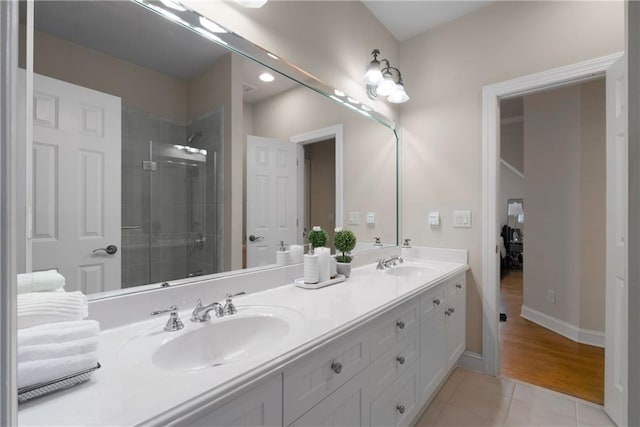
(616, 326)
(271, 198)
(76, 184)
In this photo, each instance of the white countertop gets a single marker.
(124, 392)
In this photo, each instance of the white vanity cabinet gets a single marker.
(432, 341)
(455, 319)
(261, 406)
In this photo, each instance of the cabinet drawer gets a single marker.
(346, 407)
(431, 304)
(392, 327)
(454, 289)
(399, 404)
(315, 377)
(262, 406)
(392, 364)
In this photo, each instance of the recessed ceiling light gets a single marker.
(266, 77)
(211, 26)
(338, 92)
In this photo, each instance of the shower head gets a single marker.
(193, 136)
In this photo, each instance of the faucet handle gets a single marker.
(174, 323)
(229, 307)
(407, 243)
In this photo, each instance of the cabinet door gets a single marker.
(392, 327)
(348, 406)
(432, 354)
(400, 403)
(455, 323)
(318, 375)
(262, 406)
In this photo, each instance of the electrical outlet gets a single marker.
(551, 296)
(434, 219)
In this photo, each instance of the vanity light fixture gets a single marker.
(384, 80)
(266, 77)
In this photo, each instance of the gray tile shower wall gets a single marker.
(169, 215)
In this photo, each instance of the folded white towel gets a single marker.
(58, 332)
(40, 281)
(31, 373)
(37, 308)
(30, 353)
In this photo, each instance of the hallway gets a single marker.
(536, 355)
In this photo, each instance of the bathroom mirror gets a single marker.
(152, 138)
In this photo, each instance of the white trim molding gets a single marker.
(567, 330)
(511, 168)
(471, 361)
(491, 96)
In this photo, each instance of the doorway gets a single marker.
(614, 67)
(552, 289)
(320, 192)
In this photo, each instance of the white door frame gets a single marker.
(491, 96)
(337, 133)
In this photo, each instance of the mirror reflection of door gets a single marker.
(320, 187)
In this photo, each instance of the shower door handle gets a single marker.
(110, 250)
(253, 238)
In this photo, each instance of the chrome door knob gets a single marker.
(400, 324)
(400, 408)
(459, 285)
(436, 301)
(400, 360)
(336, 367)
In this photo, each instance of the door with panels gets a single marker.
(75, 226)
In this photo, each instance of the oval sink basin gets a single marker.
(220, 343)
(410, 271)
(255, 331)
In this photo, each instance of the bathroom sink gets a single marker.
(252, 332)
(410, 271)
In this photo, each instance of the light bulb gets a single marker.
(387, 87)
(399, 95)
(373, 76)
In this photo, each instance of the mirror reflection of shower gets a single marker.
(170, 185)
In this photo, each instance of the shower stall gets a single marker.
(171, 182)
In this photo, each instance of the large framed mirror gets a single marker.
(165, 148)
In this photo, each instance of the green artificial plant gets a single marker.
(317, 237)
(344, 241)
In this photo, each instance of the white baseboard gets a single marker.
(584, 336)
(471, 361)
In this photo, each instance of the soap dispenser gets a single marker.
(405, 250)
(283, 257)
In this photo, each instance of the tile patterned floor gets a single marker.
(472, 399)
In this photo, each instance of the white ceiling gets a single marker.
(406, 19)
(129, 32)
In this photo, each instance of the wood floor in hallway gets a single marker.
(536, 355)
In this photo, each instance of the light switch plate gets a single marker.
(354, 218)
(434, 219)
(371, 217)
(462, 219)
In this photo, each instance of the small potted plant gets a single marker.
(317, 237)
(344, 241)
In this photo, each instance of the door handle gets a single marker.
(110, 250)
(253, 238)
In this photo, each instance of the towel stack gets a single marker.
(54, 340)
(50, 351)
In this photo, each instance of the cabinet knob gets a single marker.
(400, 408)
(453, 310)
(400, 324)
(436, 301)
(336, 367)
(448, 312)
(459, 285)
(400, 360)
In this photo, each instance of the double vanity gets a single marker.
(370, 351)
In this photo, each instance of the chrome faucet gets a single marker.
(201, 312)
(387, 263)
(229, 306)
